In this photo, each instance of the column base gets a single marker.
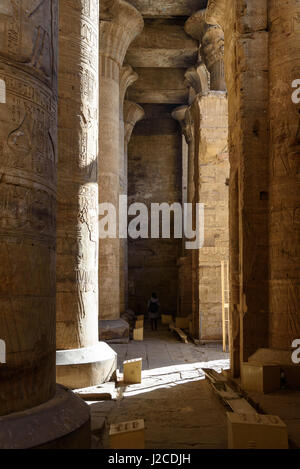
(85, 367)
(61, 423)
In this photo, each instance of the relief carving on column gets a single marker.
(28, 118)
(28, 158)
(28, 36)
(77, 230)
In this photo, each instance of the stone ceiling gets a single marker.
(163, 52)
(168, 8)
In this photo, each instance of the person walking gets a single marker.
(153, 311)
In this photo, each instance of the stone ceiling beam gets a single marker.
(168, 8)
(163, 45)
(160, 86)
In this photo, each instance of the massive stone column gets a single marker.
(211, 39)
(38, 411)
(246, 67)
(118, 27)
(184, 261)
(133, 113)
(127, 78)
(211, 173)
(82, 360)
(208, 111)
(190, 257)
(284, 203)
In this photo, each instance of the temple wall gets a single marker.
(154, 160)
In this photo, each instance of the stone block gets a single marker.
(114, 330)
(132, 371)
(139, 324)
(182, 323)
(127, 435)
(255, 431)
(166, 318)
(138, 334)
(260, 378)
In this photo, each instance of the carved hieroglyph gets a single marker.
(28, 159)
(118, 28)
(77, 221)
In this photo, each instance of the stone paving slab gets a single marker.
(179, 408)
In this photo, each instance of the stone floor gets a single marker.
(179, 408)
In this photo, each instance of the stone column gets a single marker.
(246, 34)
(190, 258)
(82, 359)
(184, 261)
(133, 113)
(284, 197)
(211, 39)
(179, 115)
(118, 28)
(127, 78)
(39, 412)
(211, 174)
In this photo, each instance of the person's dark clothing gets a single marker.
(153, 311)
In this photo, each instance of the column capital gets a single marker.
(198, 80)
(195, 26)
(133, 113)
(119, 26)
(215, 12)
(179, 114)
(210, 36)
(211, 39)
(127, 77)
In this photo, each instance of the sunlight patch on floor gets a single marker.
(170, 376)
